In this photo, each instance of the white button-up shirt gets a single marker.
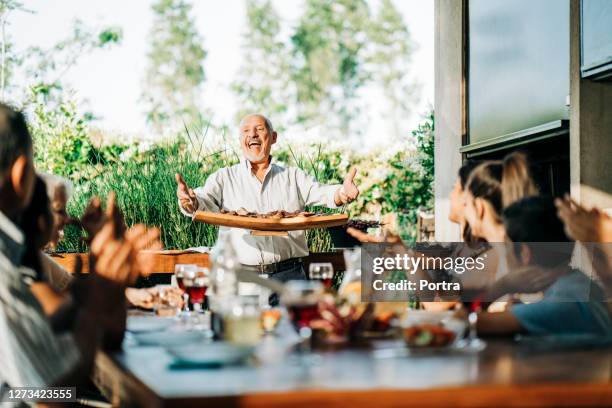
(31, 354)
(283, 188)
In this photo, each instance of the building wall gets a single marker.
(590, 128)
(590, 119)
(448, 108)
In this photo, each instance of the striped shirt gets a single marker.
(31, 354)
(283, 188)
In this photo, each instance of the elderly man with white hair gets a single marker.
(260, 185)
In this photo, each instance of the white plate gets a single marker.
(168, 338)
(218, 353)
(142, 324)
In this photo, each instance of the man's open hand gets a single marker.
(186, 196)
(349, 191)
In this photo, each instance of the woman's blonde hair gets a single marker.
(502, 182)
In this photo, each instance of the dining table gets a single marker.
(508, 372)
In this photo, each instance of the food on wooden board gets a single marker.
(278, 214)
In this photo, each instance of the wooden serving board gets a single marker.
(271, 224)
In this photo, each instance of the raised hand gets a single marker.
(116, 251)
(186, 196)
(349, 191)
(582, 224)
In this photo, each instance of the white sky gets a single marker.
(110, 80)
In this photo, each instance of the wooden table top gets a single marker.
(505, 374)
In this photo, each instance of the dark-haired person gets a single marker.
(491, 187)
(37, 225)
(457, 216)
(572, 303)
(31, 353)
(456, 197)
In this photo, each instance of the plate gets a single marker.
(271, 224)
(143, 324)
(168, 338)
(432, 330)
(218, 353)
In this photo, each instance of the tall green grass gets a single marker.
(146, 188)
(146, 191)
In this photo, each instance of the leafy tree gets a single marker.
(329, 46)
(45, 68)
(42, 70)
(175, 74)
(389, 62)
(263, 82)
(8, 59)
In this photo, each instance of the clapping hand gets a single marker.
(186, 196)
(116, 252)
(582, 224)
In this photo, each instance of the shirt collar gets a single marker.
(249, 167)
(11, 240)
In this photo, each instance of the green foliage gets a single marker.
(175, 72)
(146, 189)
(329, 47)
(62, 143)
(313, 76)
(262, 83)
(46, 67)
(389, 59)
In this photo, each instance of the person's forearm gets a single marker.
(86, 333)
(50, 299)
(115, 324)
(495, 291)
(64, 317)
(498, 324)
(602, 264)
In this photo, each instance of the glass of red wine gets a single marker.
(322, 271)
(196, 285)
(473, 302)
(179, 273)
(301, 298)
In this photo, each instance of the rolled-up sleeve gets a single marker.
(210, 195)
(315, 193)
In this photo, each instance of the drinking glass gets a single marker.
(301, 298)
(242, 324)
(179, 274)
(322, 271)
(196, 283)
(166, 304)
(473, 305)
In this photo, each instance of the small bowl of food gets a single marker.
(422, 328)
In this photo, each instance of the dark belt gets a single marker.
(273, 267)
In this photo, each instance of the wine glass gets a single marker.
(196, 283)
(179, 274)
(301, 298)
(322, 271)
(166, 304)
(473, 303)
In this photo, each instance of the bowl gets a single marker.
(422, 328)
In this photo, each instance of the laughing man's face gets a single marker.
(256, 139)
